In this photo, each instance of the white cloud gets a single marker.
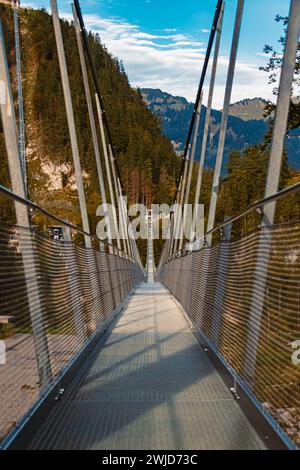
(172, 61)
(180, 37)
(204, 30)
(262, 54)
(170, 30)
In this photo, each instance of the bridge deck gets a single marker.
(150, 386)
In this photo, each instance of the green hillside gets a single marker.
(146, 158)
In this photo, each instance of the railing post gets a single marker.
(222, 272)
(111, 260)
(178, 219)
(265, 237)
(74, 283)
(118, 264)
(100, 298)
(150, 255)
(22, 216)
(224, 121)
(206, 263)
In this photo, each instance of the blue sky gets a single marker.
(162, 43)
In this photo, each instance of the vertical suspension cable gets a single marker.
(96, 83)
(70, 119)
(190, 168)
(209, 107)
(98, 93)
(265, 244)
(108, 172)
(92, 120)
(202, 78)
(35, 304)
(173, 243)
(225, 114)
(118, 192)
(22, 141)
(178, 214)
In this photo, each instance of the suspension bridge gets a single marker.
(98, 351)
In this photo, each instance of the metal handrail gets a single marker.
(259, 204)
(32, 205)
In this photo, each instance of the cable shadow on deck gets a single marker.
(164, 393)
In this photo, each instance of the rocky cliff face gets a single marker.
(249, 109)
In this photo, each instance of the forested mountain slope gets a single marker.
(148, 162)
(246, 125)
(146, 158)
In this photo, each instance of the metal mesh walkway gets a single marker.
(150, 386)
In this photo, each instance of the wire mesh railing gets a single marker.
(222, 288)
(75, 290)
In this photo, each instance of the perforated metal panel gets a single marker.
(216, 288)
(77, 288)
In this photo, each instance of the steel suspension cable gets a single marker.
(201, 83)
(99, 95)
(184, 164)
(96, 83)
